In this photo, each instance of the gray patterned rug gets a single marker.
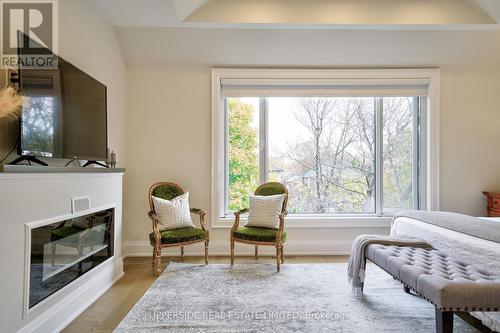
(254, 298)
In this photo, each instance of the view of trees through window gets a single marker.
(398, 158)
(324, 150)
(243, 150)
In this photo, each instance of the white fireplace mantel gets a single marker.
(27, 197)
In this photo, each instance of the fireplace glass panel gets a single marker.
(63, 251)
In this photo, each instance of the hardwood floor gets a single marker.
(107, 312)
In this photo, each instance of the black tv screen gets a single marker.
(65, 114)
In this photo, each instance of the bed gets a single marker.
(484, 253)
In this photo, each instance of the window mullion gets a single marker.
(263, 140)
(225, 199)
(416, 153)
(379, 155)
(422, 159)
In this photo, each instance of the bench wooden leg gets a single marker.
(444, 321)
(407, 289)
(474, 322)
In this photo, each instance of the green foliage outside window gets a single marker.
(243, 165)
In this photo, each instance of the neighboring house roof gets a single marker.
(347, 172)
(309, 174)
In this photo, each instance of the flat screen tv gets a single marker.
(65, 115)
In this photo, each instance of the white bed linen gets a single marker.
(480, 252)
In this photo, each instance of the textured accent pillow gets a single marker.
(264, 210)
(173, 214)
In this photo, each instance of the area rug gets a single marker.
(255, 298)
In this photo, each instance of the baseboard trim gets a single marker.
(221, 248)
(55, 319)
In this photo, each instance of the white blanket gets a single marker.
(481, 252)
(357, 260)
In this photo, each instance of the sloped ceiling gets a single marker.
(329, 14)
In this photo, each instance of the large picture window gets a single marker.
(341, 149)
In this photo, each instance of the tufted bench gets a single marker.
(451, 285)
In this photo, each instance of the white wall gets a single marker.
(168, 115)
(89, 43)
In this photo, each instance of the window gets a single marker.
(342, 147)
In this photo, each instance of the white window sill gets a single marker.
(307, 222)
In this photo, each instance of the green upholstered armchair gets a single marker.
(262, 236)
(160, 239)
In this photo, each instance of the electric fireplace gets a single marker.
(62, 251)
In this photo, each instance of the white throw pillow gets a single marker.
(264, 210)
(173, 214)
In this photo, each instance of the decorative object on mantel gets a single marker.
(112, 159)
(10, 103)
(108, 156)
(493, 203)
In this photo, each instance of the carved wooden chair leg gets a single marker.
(154, 257)
(182, 253)
(206, 253)
(154, 260)
(282, 256)
(232, 253)
(256, 252)
(278, 257)
(158, 261)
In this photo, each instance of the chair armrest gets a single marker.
(241, 211)
(156, 232)
(198, 211)
(152, 215)
(281, 227)
(202, 214)
(237, 219)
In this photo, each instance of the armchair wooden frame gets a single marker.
(278, 243)
(156, 241)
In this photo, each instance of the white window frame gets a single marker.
(430, 137)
